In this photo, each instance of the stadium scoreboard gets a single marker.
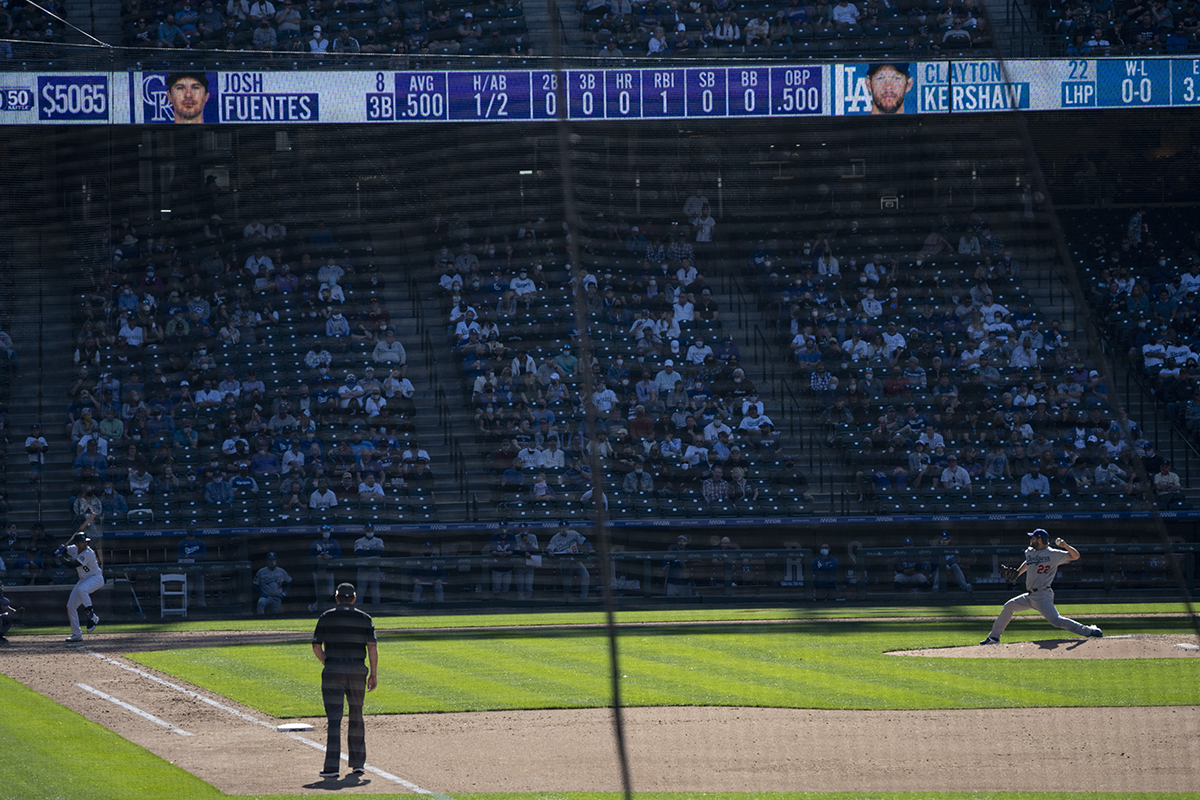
(667, 90)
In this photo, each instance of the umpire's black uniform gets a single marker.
(345, 632)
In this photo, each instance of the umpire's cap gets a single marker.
(199, 77)
(345, 590)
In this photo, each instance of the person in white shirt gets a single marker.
(695, 452)
(667, 327)
(1154, 353)
(604, 400)
(322, 498)
(714, 429)
(931, 439)
(293, 460)
(531, 457)
(330, 269)
(79, 554)
(955, 477)
(686, 274)
(990, 308)
(684, 309)
(1176, 350)
(335, 292)
(461, 311)
(259, 261)
(698, 352)
(845, 13)
(856, 347)
(1024, 357)
(524, 286)
(552, 456)
(666, 378)
(871, 308)
(893, 340)
(368, 488)
(208, 397)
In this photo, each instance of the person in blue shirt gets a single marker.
(824, 567)
(323, 550)
(191, 549)
(428, 574)
(502, 547)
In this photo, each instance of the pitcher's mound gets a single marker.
(1138, 645)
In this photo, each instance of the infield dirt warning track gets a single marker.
(702, 749)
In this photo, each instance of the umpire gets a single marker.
(343, 637)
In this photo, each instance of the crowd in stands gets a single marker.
(1143, 280)
(1106, 27)
(239, 372)
(329, 28)
(679, 427)
(931, 370)
(705, 28)
(30, 22)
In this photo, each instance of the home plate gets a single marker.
(292, 727)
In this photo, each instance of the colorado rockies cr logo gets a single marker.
(156, 103)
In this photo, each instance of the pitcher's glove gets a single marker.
(1010, 573)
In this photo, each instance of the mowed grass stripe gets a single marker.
(442, 680)
(56, 753)
(710, 674)
(840, 665)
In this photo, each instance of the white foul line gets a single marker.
(134, 709)
(412, 787)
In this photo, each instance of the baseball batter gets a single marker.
(1041, 565)
(77, 552)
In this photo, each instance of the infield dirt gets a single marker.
(671, 749)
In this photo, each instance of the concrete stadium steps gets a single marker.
(100, 18)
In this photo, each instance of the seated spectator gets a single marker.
(728, 32)
(955, 477)
(217, 491)
(322, 498)
(266, 39)
(113, 507)
(1167, 485)
(716, 489)
(1035, 484)
(389, 351)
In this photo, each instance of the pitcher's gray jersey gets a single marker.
(1042, 565)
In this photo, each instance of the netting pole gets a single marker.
(599, 496)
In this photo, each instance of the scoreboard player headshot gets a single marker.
(888, 85)
(188, 94)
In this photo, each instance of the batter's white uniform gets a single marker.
(90, 580)
(1040, 568)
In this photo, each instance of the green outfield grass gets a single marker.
(421, 620)
(830, 664)
(806, 659)
(54, 752)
